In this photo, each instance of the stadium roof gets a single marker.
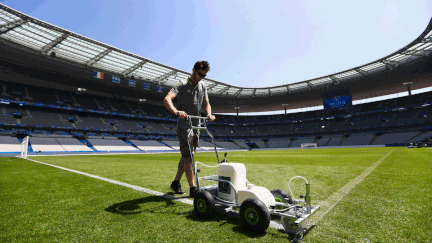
(75, 49)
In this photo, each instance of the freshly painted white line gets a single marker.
(273, 224)
(141, 189)
(348, 187)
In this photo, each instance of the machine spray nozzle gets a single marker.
(225, 159)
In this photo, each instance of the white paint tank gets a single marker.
(236, 174)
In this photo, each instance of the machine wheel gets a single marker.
(204, 204)
(254, 214)
(281, 196)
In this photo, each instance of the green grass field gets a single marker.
(389, 197)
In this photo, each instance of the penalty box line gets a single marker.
(349, 186)
(273, 224)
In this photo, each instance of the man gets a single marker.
(191, 97)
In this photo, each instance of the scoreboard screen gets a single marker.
(339, 102)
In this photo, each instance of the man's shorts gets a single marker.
(194, 138)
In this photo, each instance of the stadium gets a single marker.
(99, 141)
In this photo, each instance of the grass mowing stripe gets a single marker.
(141, 189)
(273, 224)
(349, 186)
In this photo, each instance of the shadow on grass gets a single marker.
(168, 206)
(233, 218)
(137, 206)
(228, 218)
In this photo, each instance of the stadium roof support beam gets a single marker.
(54, 43)
(133, 68)
(362, 72)
(211, 86)
(223, 90)
(164, 76)
(238, 92)
(99, 56)
(309, 85)
(253, 93)
(422, 53)
(335, 79)
(12, 25)
(288, 89)
(270, 93)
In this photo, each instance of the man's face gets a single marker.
(199, 74)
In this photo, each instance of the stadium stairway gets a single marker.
(291, 142)
(88, 144)
(342, 140)
(133, 145)
(418, 135)
(373, 139)
(166, 145)
(238, 145)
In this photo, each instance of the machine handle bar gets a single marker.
(198, 117)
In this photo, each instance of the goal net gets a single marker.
(307, 145)
(24, 147)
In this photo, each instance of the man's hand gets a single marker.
(182, 115)
(211, 118)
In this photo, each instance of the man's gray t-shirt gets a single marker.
(189, 99)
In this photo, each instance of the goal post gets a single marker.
(306, 145)
(24, 147)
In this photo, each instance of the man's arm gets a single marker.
(168, 103)
(208, 110)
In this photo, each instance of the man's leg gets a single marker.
(180, 169)
(184, 150)
(188, 169)
(189, 166)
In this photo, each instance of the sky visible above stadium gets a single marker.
(248, 43)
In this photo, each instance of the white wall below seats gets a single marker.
(73, 145)
(9, 144)
(45, 145)
(150, 145)
(111, 145)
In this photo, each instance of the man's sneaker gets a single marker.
(192, 192)
(176, 187)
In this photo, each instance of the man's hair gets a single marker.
(202, 65)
